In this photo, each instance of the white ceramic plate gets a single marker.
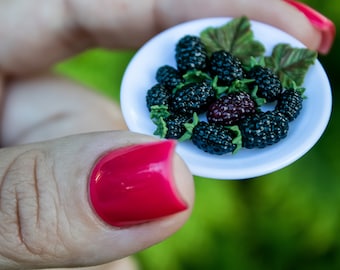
(304, 131)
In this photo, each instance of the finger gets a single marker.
(77, 201)
(57, 29)
(1, 105)
(277, 13)
(127, 263)
(324, 25)
(49, 106)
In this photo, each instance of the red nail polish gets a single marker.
(134, 184)
(320, 22)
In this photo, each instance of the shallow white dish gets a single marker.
(304, 131)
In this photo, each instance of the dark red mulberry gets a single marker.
(231, 108)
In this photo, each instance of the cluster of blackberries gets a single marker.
(226, 95)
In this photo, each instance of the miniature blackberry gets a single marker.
(231, 108)
(290, 103)
(157, 95)
(263, 129)
(175, 125)
(192, 97)
(212, 138)
(268, 83)
(226, 67)
(168, 76)
(191, 54)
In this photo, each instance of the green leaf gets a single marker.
(235, 87)
(235, 37)
(189, 128)
(196, 76)
(240, 86)
(258, 100)
(162, 129)
(253, 61)
(237, 139)
(299, 89)
(178, 87)
(290, 64)
(220, 90)
(158, 114)
(193, 76)
(159, 111)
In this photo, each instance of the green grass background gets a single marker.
(289, 219)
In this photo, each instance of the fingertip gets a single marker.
(155, 209)
(184, 182)
(139, 183)
(321, 23)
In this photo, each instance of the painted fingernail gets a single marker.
(320, 22)
(135, 184)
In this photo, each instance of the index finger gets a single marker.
(53, 30)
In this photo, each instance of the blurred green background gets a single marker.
(289, 219)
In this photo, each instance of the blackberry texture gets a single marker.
(157, 95)
(268, 83)
(168, 76)
(192, 97)
(263, 129)
(190, 54)
(226, 67)
(212, 138)
(290, 103)
(231, 108)
(175, 125)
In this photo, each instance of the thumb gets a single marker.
(89, 199)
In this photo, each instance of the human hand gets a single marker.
(46, 217)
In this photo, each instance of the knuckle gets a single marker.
(28, 208)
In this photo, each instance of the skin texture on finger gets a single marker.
(49, 106)
(58, 29)
(2, 101)
(48, 214)
(123, 264)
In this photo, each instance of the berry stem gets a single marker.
(238, 138)
(189, 128)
